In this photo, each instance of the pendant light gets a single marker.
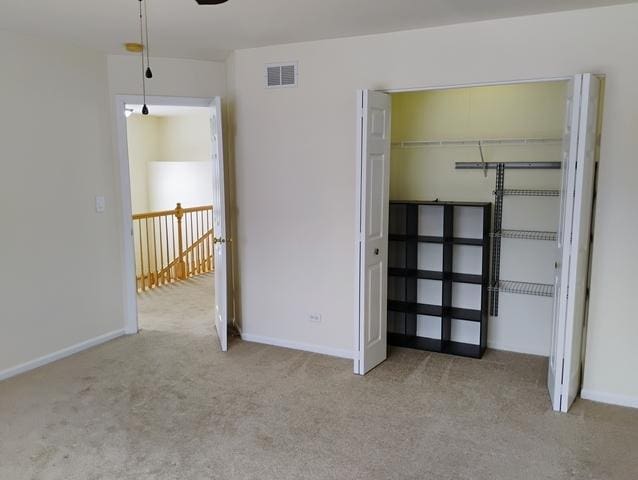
(146, 69)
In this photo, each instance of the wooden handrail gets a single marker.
(172, 245)
(142, 216)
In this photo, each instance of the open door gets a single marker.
(373, 204)
(570, 290)
(219, 226)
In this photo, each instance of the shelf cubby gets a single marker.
(438, 251)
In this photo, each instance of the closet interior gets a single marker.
(474, 213)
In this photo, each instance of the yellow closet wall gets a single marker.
(503, 111)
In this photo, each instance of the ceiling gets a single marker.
(183, 29)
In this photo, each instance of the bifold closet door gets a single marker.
(574, 241)
(373, 208)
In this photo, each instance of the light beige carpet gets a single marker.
(166, 404)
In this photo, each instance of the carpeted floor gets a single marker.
(166, 404)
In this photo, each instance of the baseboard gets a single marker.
(65, 352)
(277, 342)
(611, 398)
(514, 349)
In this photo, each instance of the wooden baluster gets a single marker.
(205, 242)
(181, 266)
(156, 271)
(139, 224)
(199, 249)
(188, 255)
(168, 256)
(148, 253)
(175, 253)
(161, 279)
(191, 243)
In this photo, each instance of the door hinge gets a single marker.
(562, 374)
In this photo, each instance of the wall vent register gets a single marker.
(278, 75)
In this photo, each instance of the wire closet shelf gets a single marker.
(527, 235)
(488, 142)
(524, 288)
(527, 192)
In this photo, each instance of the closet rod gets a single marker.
(508, 165)
(475, 143)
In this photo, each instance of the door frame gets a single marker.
(129, 284)
(357, 325)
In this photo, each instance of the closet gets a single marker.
(474, 208)
(500, 145)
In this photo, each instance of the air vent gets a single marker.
(280, 75)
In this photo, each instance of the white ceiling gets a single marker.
(183, 29)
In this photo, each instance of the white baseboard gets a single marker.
(277, 342)
(65, 352)
(603, 397)
(515, 349)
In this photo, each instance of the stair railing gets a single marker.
(172, 245)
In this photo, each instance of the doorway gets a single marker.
(435, 265)
(173, 203)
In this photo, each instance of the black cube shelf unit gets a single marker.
(422, 242)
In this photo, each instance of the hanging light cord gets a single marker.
(149, 73)
(144, 108)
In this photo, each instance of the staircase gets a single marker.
(172, 245)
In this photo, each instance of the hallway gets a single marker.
(183, 307)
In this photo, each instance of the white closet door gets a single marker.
(373, 207)
(219, 228)
(573, 241)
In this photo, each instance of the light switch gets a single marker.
(100, 204)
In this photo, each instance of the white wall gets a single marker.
(186, 137)
(61, 275)
(295, 167)
(61, 286)
(171, 77)
(143, 136)
(189, 183)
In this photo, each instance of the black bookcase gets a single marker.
(438, 269)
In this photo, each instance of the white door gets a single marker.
(219, 227)
(373, 204)
(570, 295)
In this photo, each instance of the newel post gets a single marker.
(180, 266)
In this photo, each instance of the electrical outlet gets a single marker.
(315, 317)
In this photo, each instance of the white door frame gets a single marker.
(357, 324)
(129, 287)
